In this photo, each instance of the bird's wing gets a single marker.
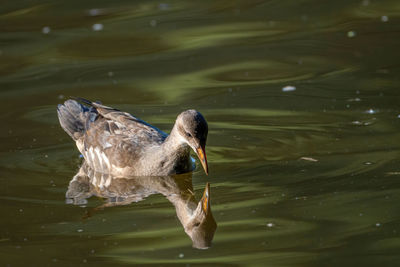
(128, 122)
(116, 138)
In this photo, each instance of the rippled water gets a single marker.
(303, 108)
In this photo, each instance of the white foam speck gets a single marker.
(351, 34)
(163, 6)
(153, 23)
(309, 159)
(384, 18)
(98, 27)
(270, 225)
(288, 88)
(46, 30)
(94, 12)
(357, 99)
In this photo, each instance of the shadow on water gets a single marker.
(195, 216)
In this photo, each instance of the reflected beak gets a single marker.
(205, 200)
(201, 153)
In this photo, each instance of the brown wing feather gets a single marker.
(120, 136)
(131, 123)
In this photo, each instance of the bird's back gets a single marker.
(109, 139)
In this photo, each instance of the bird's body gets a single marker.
(118, 143)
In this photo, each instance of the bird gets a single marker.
(118, 143)
(195, 216)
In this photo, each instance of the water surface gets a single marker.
(303, 109)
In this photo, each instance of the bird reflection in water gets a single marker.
(196, 216)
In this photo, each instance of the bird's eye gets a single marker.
(197, 224)
(188, 134)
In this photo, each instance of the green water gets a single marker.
(307, 177)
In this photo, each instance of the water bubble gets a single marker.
(351, 34)
(79, 230)
(46, 30)
(384, 18)
(97, 27)
(181, 255)
(378, 224)
(398, 116)
(288, 88)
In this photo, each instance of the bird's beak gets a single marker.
(201, 153)
(205, 200)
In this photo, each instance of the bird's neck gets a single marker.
(171, 157)
(176, 151)
(174, 142)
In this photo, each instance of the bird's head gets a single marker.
(193, 130)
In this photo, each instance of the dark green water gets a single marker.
(308, 177)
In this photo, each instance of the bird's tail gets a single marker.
(74, 118)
